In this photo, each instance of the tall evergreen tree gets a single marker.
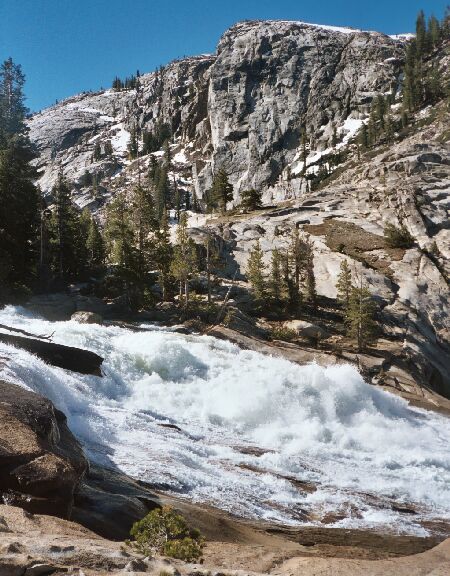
(255, 274)
(221, 191)
(68, 241)
(144, 224)
(360, 316)
(162, 191)
(308, 276)
(434, 32)
(120, 238)
(304, 151)
(363, 138)
(19, 198)
(251, 200)
(184, 263)
(411, 89)
(421, 34)
(163, 254)
(95, 246)
(133, 145)
(277, 282)
(167, 158)
(344, 285)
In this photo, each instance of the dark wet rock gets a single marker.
(41, 463)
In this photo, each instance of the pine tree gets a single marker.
(278, 283)
(363, 138)
(334, 137)
(97, 152)
(360, 316)
(372, 127)
(433, 85)
(133, 145)
(67, 238)
(293, 296)
(195, 205)
(162, 191)
(411, 89)
(163, 254)
(184, 263)
(12, 107)
(304, 151)
(19, 198)
(213, 261)
(144, 224)
(117, 84)
(389, 128)
(108, 148)
(95, 247)
(344, 285)
(295, 259)
(221, 191)
(251, 200)
(434, 32)
(308, 276)
(177, 200)
(255, 273)
(120, 238)
(381, 107)
(421, 34)
(167, 158)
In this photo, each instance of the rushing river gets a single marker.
(213, 423)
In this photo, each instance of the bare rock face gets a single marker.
(273, 79)
(41, 463)
(307, 329)
(243, 109)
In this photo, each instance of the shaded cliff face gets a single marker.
(273, 79)
(242, 109)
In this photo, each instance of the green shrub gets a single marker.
(397, 237)
(166, 532)
(282, 333)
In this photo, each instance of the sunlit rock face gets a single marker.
(243, 108)
(272, 79)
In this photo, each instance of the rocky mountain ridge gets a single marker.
(242, 109)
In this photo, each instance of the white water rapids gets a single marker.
(363, 448)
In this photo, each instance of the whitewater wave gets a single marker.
(183, 413)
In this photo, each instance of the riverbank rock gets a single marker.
(30, 544)
(58, 306)
(41, 462)
(239, 321)
(87, 317)
(307, 329)
(109, 502)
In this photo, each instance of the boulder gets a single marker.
(58, 306)
(67, 357)
(106, 495)
(237, 320)
(84, 317)
(41, 462)
(307, 329)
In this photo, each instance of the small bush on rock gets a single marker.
(166, 532)
(283, 333)
(397, 237)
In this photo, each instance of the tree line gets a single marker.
(422, 84)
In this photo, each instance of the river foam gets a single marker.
(185, 412)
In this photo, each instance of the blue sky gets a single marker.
(67, 46)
